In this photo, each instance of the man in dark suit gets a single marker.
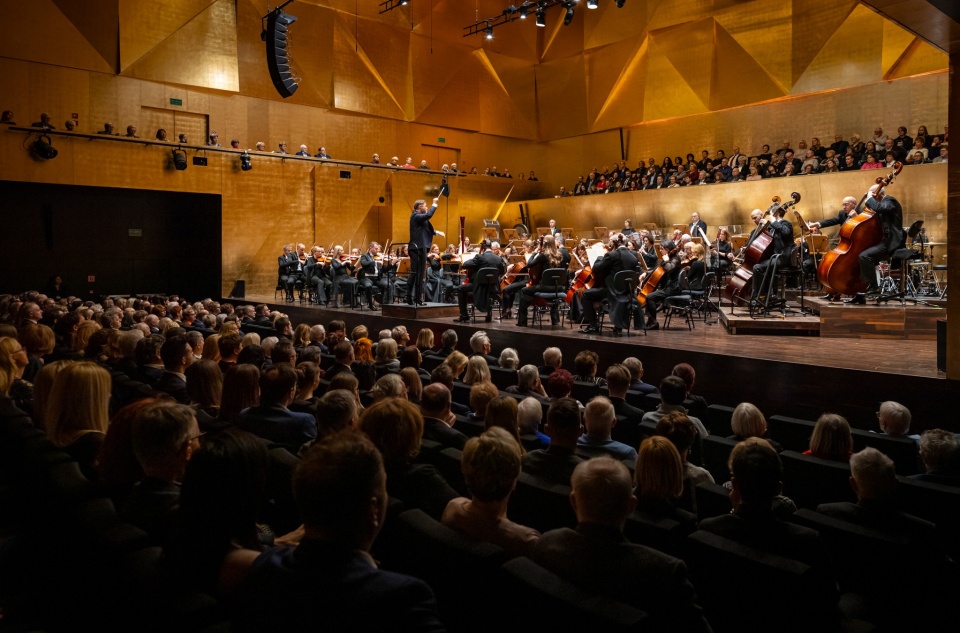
(890, 214)
(271, 419)
(343, 355)
(616, 259)
(783, 247)
(696, 226)
(627, 429)
(421, 238)
(485, 259)
(874, 480)
(480, 344)
(149, 364)
(287, 265)
(636, 377)
(597, 557)
(329, 581)
(940, 453)
(448, 343)
(437, 418)
(263, 315)
(555, 463)
(176, 355)
(373, 273)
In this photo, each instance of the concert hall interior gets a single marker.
(119, 209)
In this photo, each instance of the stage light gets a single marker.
(620, 3)
(523, 13)
(568, 18)
(541, 17)
(592, 4)
(404, 3)
(179, 159)
(489, 32)
(245, 163)
(42, 148)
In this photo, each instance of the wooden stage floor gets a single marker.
(799, 375)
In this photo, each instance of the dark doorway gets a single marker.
(129, 241)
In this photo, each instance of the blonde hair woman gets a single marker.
(78, 413)
(477, 370)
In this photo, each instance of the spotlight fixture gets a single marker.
(592, 4)
(179, 159)
(275, 35)
(42, 148)
(489, 32)
(568, 17)
(620, 3)
(541, 17)
(245, 163)
(523, 13)
(404, 3)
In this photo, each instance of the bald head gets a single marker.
(435, 401)
(602, 492)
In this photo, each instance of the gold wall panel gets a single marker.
(61, 43)
(731, 63)
(445, 85)
(98, 21)
(144, 24)
(689, 48)
(202, 52)
(559, 41)
(562, 98)
(813, 24)
(500, 112)
(920, 57)
(602, 27)
(763, 28)
(846, 56)
(359, 84)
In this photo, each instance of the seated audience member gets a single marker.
(831, 438)
(628, 416)
(556, 462)
(448, 343)
(283, 353)
(477, 371)
(503, 411)
(149, 363)
(165, 436)
(695, 405)
(442, 374)
(410, 356)
(343, 359)
(874, 480)
(176, 355)
(221, 496)
(659, 483)
(673, 391)
(481, 395)
(636, 376)
(13, 361)
(597, 557)
(308, 380)
(599, 419)
(491, 465)
(241, 391)
(118, 470)
(747, 421)
(509, 359)
(414, 386)
(940, 453)
(387, 356)
(552, 359)
(894, 419)
(204, 392)
(425, 342)
(480, 346)
(529, 417)
(396, 427)
(528, 383)
(78, 413)
(585, 366)
(272, 419)
(253, 355)
(457, 362)
(389, 386)
(677, 427)
(438, 419)
(329, 580)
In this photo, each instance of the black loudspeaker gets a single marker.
(239, 290)
(278, 63)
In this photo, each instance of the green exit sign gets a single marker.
(176, 102)
(441, 140)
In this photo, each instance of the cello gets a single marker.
(839, 270)
(758, 249)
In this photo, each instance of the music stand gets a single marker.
(601, 232)
(683, 228)
(652, 228)
(738, 241)
(543, 230)
(490, 234)
(567, 234)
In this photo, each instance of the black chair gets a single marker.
(541, 505)
(904, 451)
(713, 500)
(810, 481)
(702, 299)
(461, 393)
(793, 434)
(489, 278)
(544, 601)
(934, 502)
(469, 426)
(431, 362)
(666, 535)
(449, 461)
(624, 283)
(503, 378)
(716, 453)
(584, 391)
(718, 420)
(552, 296)
(785, 595)
(680, 304)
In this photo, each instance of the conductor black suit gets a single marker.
(421, 237)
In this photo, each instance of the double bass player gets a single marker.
(890, 214)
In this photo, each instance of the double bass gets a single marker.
(839, 270)
(758, 249)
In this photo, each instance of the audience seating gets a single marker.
(666, 535)
(712, 500)
(449, 462)
(793, 434)
(718, 420)
(541, 505)
(716, 453)
(810, 481)
(469, 426)
(585, 391)
(503, 378)
(904, 451)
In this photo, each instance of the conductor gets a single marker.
(421, 238)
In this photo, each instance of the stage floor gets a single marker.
(913, 358)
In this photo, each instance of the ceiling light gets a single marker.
(620, 3)
(541, 17)
(523, 13)
(179, 159)
(245, 163)
(489, 32)
(568, 18)
(591, 4)
(42, 148)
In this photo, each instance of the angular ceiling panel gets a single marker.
(896, 39)
(847, 58)
(624, 102)
(561, 41)
(690, 49)
(144, 24)
(561, 97)
(605, 68)
(917, 59)
(445, 86)
(668, 94)
(814, 24)
(358, 85)
(98, 21)
(201, 53)
(72, 49)
(499, 113)
(519, 79)
(731, 65)
(607, 25)
(763, 29)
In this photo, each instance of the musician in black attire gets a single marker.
(421, 237)
(669, 284)
(342, 273)
(697, 228)
(847, 211)
(318, 275)
(288, 266)
(509, 293)
(618, 258)
(548, 257)
(724, 249)
(890, 214)
(648, 252)
(374, 272)
(783, 246)
(485, 259)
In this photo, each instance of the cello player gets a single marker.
(890, 214)
(617, 258)
(847, 211)
(782, 231)
(669, 283)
